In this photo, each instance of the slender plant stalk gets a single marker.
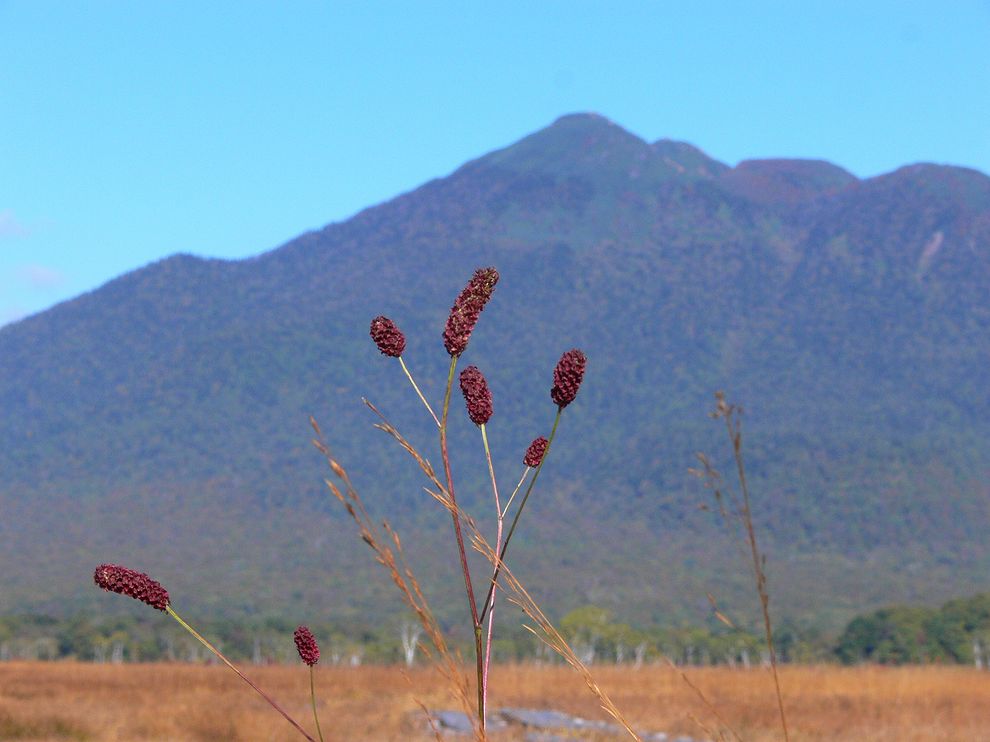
(242, 676)
(388, 552)
(726, 411)
(515, 520)
(455, 514)
(515, 491)
(312, 695)
(490, 605)
(416, 387)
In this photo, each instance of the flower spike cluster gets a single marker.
(467, 308)
(567, 377)
(477, 395)
(309, 650)
(137, 585)
(534, 454)
(387, 336)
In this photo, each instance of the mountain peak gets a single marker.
(572, 143)
(585, 120)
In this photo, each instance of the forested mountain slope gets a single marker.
(162, 420)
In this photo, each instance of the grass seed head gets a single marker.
(137, 585)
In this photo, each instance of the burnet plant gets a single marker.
(567, 378)
(116, 579)
(309, 653)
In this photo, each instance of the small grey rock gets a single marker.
(540, 718)
(452, 721)
(457, 722)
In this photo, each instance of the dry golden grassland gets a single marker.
(74, 701)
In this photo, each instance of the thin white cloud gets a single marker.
(39, 276)
(9, 226)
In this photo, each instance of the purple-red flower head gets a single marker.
(477, 395)
(137, 585)
(309, 651)
(534, 454)
(567, 377)
(467, 308)
(387, 336)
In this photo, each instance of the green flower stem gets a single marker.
(515, 519)
(498, 541)
(422, 398)
(242, 676)
(455, 513)
(515, 491)
(312, 695)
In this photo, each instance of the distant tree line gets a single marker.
(590, 630)
(129, 638)
(958, 632)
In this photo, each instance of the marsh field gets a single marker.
(76, 701)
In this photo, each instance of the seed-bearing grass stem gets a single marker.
(730, 414)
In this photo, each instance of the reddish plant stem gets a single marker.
(455, 513)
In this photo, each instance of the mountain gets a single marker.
(162, 420)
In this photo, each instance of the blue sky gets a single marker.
(133, 130)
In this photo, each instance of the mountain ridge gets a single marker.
(185, 388)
